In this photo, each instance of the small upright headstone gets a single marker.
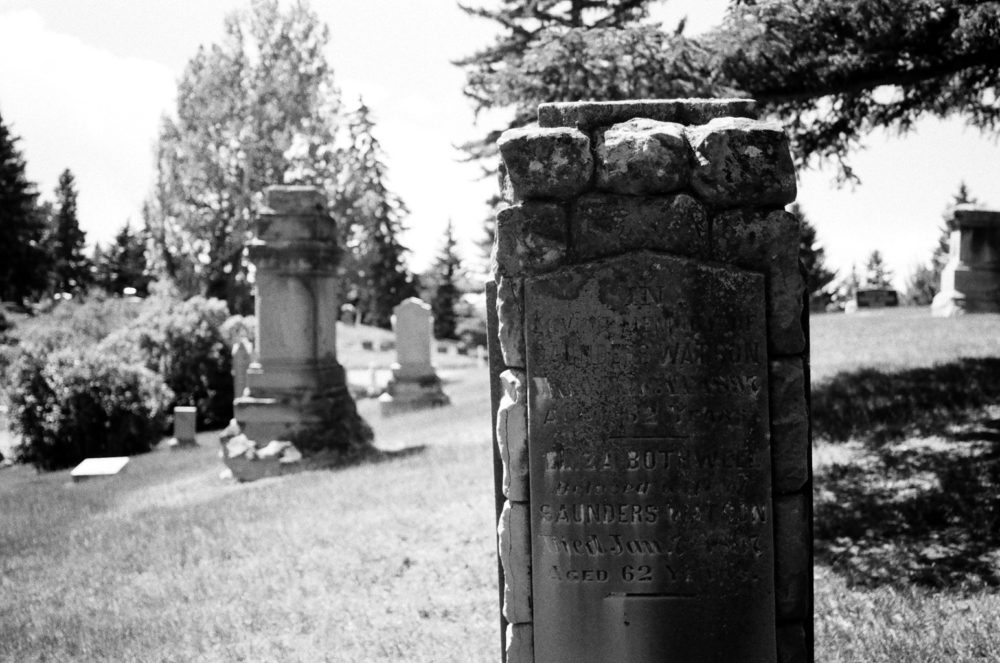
(185, 417)
(414, 383)
(242, 356)
(92, 468)
(970, 282)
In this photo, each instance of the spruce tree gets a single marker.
(71, 270)
(23, 260)
(372, 220)
(123, 263)
(811, 254)
(877, 273)
(445, 272)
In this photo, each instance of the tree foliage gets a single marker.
(372, 220)
(71, 268)
(23, 259)
(812, 255)
(122, 264)
(249, 108)
(444, 277)
(877, 272)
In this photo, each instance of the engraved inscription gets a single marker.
(648, 442)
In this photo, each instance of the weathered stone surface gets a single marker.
(770, 245)
(606, 225)
(512, 435)
(789, 425)
(970, 281)
(514, 540)
(587, 115)
(273, 449)
(792, 646)
(240, 445)
(519, 644)
(530, 238)
(414, 384)
(510, 320)
(742, 162)
(546, 163)
(642, 157)
(793, 575)
(292, 200)
(649, 462)
(185, 417)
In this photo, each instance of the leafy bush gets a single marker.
(77, 322)
(183, 342)
(74, 404)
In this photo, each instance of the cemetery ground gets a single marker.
(394, 561)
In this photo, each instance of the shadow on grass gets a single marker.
(924, 512)
(880, 406)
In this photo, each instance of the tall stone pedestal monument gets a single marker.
(296, 390)
(970, 282)
(650, 369)
(414, 384)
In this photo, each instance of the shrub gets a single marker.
(74, 404)
(77, 322)
(183, 342)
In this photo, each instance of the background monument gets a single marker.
(649, 368)
(970, 282)
(296, 390)
(414, 383)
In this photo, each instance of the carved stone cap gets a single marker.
(587, 115)
(970, 216)
(299, 200)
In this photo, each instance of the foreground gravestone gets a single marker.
(414, 383)
(296, 409)
(650, 388)
(94, 468)
(185, 421)
(970, 281)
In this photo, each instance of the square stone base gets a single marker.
(407, 396)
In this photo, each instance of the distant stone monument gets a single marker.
(649, 367)
(185, 420)
(875, 298)
(414, 383)
(296, 395)
(970, 282)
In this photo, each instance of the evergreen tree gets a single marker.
(444, 277)
(71, 269)
(23, 259)
(811, 254)
(123, 263)
(921, 286)
(372, 220)
(251, 110)
(877, 273)
(943, 247)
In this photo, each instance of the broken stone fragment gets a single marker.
(742, 162)
(514, 542)
(792, 570)
(520, 643)
(291, 455)
(546, 163)
(530, 238)
(510, 320)
(512, 435)
(273, 449)
(789, 425)
(643, 156)
(240, 445)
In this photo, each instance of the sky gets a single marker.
(85, 82)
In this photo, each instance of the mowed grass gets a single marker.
(395, 561)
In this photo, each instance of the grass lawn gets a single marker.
(395, 561)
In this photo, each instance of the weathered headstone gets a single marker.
(652, 424)
(875, 298)
(94, 468)
(414, 383)
(970, 282)
(296, 392)
(185, 420)
(242, 358)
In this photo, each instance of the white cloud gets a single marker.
(84, 108)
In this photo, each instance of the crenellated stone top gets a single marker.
(294, 233)
(712, 149)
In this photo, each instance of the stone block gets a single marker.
(185, 418)
(91, 468)
(742, 162)
(530, 238)
(768, 244)
(643, 157)
(546, 163)
(588, 115)
(789, 426)
(605, 225)
(514, 541)
(519, 644)
(294, 200)
(512, 435)
(510, 320)
(792, 571)
(792, 646)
